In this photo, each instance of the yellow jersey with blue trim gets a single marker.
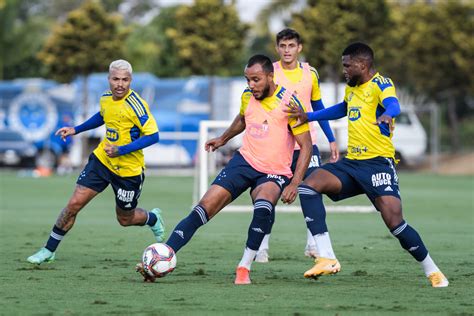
(125, 120)
(272, 102)
(364, 105)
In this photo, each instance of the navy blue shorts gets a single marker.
(238, 176)
(314, 164)
(97, 177)
(375, 177)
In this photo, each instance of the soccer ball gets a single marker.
(158, 260)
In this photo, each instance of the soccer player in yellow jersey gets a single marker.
(303, 81)
(117, 160)
(371, 105)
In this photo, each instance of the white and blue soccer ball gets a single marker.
(158, 260)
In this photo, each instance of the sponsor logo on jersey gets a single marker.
(381, 178)
(125, 196)
(358, 150)
(258, 130)
(354, 114)
(111, 134)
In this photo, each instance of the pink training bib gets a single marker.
(268, 144)
(302, 89)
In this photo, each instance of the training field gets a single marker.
(94, 268)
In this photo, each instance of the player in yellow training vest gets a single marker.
(117, 160)
(371, 105)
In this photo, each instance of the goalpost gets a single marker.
(206, 164)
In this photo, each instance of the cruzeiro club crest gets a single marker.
(34, 115)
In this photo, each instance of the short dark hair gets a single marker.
(262, 60)
(359, 50)
(288, 34)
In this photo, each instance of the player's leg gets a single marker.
(91, 181)
(215, 199)
(391, 210)
(227, 186)
(64, 223)
(265, 196)
(379, 180)
(310, 192)
(127, 192)
(311, 249)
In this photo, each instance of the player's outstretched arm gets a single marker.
(291, 190)
(94, 121)
(237, 127)
(64, 132)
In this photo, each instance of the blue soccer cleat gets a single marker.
(159, 228)
(43, 255)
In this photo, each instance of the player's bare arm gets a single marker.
(64, 132)
(237, 127)
(290, 192)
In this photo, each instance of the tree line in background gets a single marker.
(427, 48)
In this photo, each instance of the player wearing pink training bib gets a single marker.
(262, 164)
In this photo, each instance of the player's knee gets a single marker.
(124, 220)
(392, 217)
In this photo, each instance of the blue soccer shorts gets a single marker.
(375, 177)
(238, 175)
(314, 164)
(97, 177)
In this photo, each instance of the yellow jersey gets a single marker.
(364, 104)
(125, 120)
(272, 102)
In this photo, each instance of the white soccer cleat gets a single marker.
(43, 255)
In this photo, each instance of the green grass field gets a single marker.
(94, 268)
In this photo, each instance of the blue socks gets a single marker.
(57, 234)
(314, 211)
(410, 241)
(151, 220)
(183, 232)
(263, 217)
